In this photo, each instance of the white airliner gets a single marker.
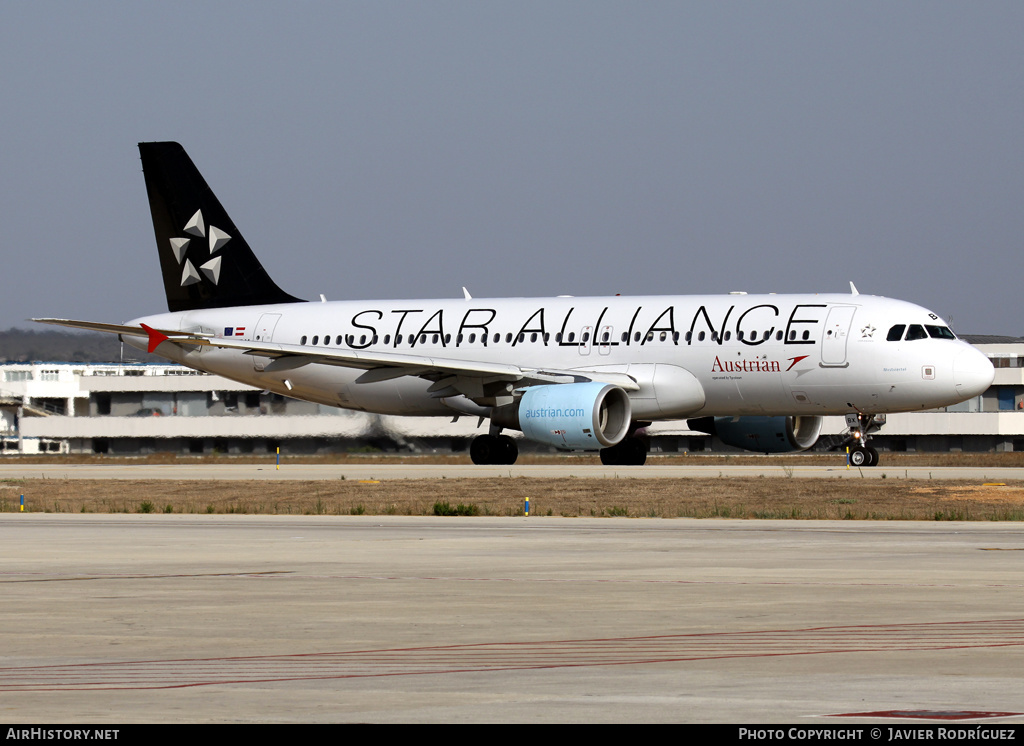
(759, 371)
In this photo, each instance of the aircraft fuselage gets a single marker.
(750, 354)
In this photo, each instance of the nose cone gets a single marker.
(972, 373)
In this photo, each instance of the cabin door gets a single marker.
(264, 332)
(835, 336)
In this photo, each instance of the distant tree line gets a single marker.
(57, 346)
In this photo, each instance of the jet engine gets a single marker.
(763, 434)
(580, 416)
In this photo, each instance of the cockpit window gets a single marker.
(896, 333)
(940, 332)
(916, 331)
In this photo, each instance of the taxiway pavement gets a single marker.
(182, 618)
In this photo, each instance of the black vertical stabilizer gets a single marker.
(204, 259)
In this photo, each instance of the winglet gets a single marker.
(466, 293)
(853, 289)
(155, 337)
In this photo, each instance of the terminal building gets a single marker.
(142, 408)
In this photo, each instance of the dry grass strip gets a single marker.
(755, 497)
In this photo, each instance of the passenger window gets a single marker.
(362, 339)
(664, 336)
(533, 337)
(700, 337)
(472, 338)
(807, 335)
(778, 336)
(316, 339)
(302, 340)
(572, 336)
(636, 337)
(586, 336)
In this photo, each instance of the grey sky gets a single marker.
(404, 149)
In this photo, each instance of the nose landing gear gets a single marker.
(861, 427)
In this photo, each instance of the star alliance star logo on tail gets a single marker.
(209, 269)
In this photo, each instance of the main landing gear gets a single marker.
(493, 450)
(627, 452)
(861, 427)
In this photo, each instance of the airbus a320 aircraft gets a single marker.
(759, 371)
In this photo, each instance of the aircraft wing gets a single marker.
(97, 326)
(451, 377)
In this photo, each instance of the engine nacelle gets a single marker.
(762, 434)
(583, 416)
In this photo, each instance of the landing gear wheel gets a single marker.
(484, 449)
(629, 452)
(638, 452)
(862, 456)
(509, 450)
(488, 450)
